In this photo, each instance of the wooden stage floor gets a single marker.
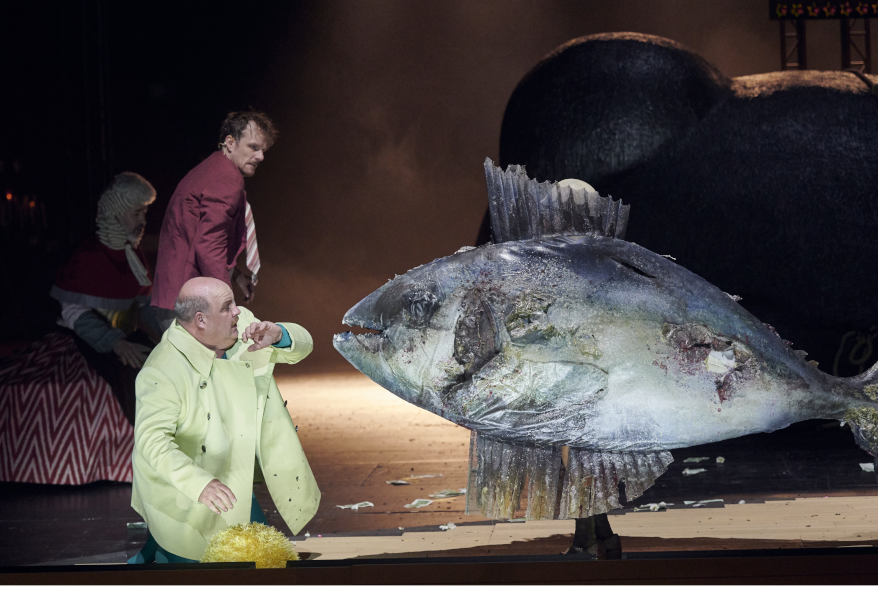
(801, 487)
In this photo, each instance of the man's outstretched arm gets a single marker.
(291, 342)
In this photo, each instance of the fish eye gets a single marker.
(420, 305)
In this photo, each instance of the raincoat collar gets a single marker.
(199, 356)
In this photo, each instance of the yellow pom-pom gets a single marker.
(253, 542)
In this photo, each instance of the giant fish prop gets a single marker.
(768, 183)
(564, 334)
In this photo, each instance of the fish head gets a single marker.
(441, 328)
(434, 327)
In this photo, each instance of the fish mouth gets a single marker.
(352, 345)
(371, 342)
(366, 352)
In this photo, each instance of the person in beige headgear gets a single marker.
(69, 397)
(104, 288)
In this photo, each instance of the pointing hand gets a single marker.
(263, 334)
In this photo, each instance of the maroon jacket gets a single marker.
(204, 229)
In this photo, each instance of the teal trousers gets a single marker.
(152, 552)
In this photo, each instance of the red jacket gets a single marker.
(96, 276)
(204, 229)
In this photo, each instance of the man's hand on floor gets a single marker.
(217, 497)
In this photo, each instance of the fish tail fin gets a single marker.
(863, 413)
(871, 375)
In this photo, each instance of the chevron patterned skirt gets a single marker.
(59, 420)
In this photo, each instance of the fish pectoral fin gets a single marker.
(526, 389)
(512, 394)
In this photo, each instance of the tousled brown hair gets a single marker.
(236, 122)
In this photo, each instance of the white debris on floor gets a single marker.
(653, 507)
(356, 506)
(448, 493)
(702, 503)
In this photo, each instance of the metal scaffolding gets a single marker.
(854, 20)
(793, 42)
(856, 43)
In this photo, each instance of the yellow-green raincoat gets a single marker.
(200, 418)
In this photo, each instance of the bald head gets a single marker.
(206, 308)
(196, 295)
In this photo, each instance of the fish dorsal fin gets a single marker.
(522, 208)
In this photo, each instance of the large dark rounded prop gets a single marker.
(765, 185)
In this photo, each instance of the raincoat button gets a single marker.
(203, 385)
(247, 365)
(208, 416)
(203, 449)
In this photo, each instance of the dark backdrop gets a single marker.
(387, 110)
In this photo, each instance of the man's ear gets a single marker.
(229, 141)
(199, 320)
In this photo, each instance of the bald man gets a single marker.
(208, 414)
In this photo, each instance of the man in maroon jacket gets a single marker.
(208, 223)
